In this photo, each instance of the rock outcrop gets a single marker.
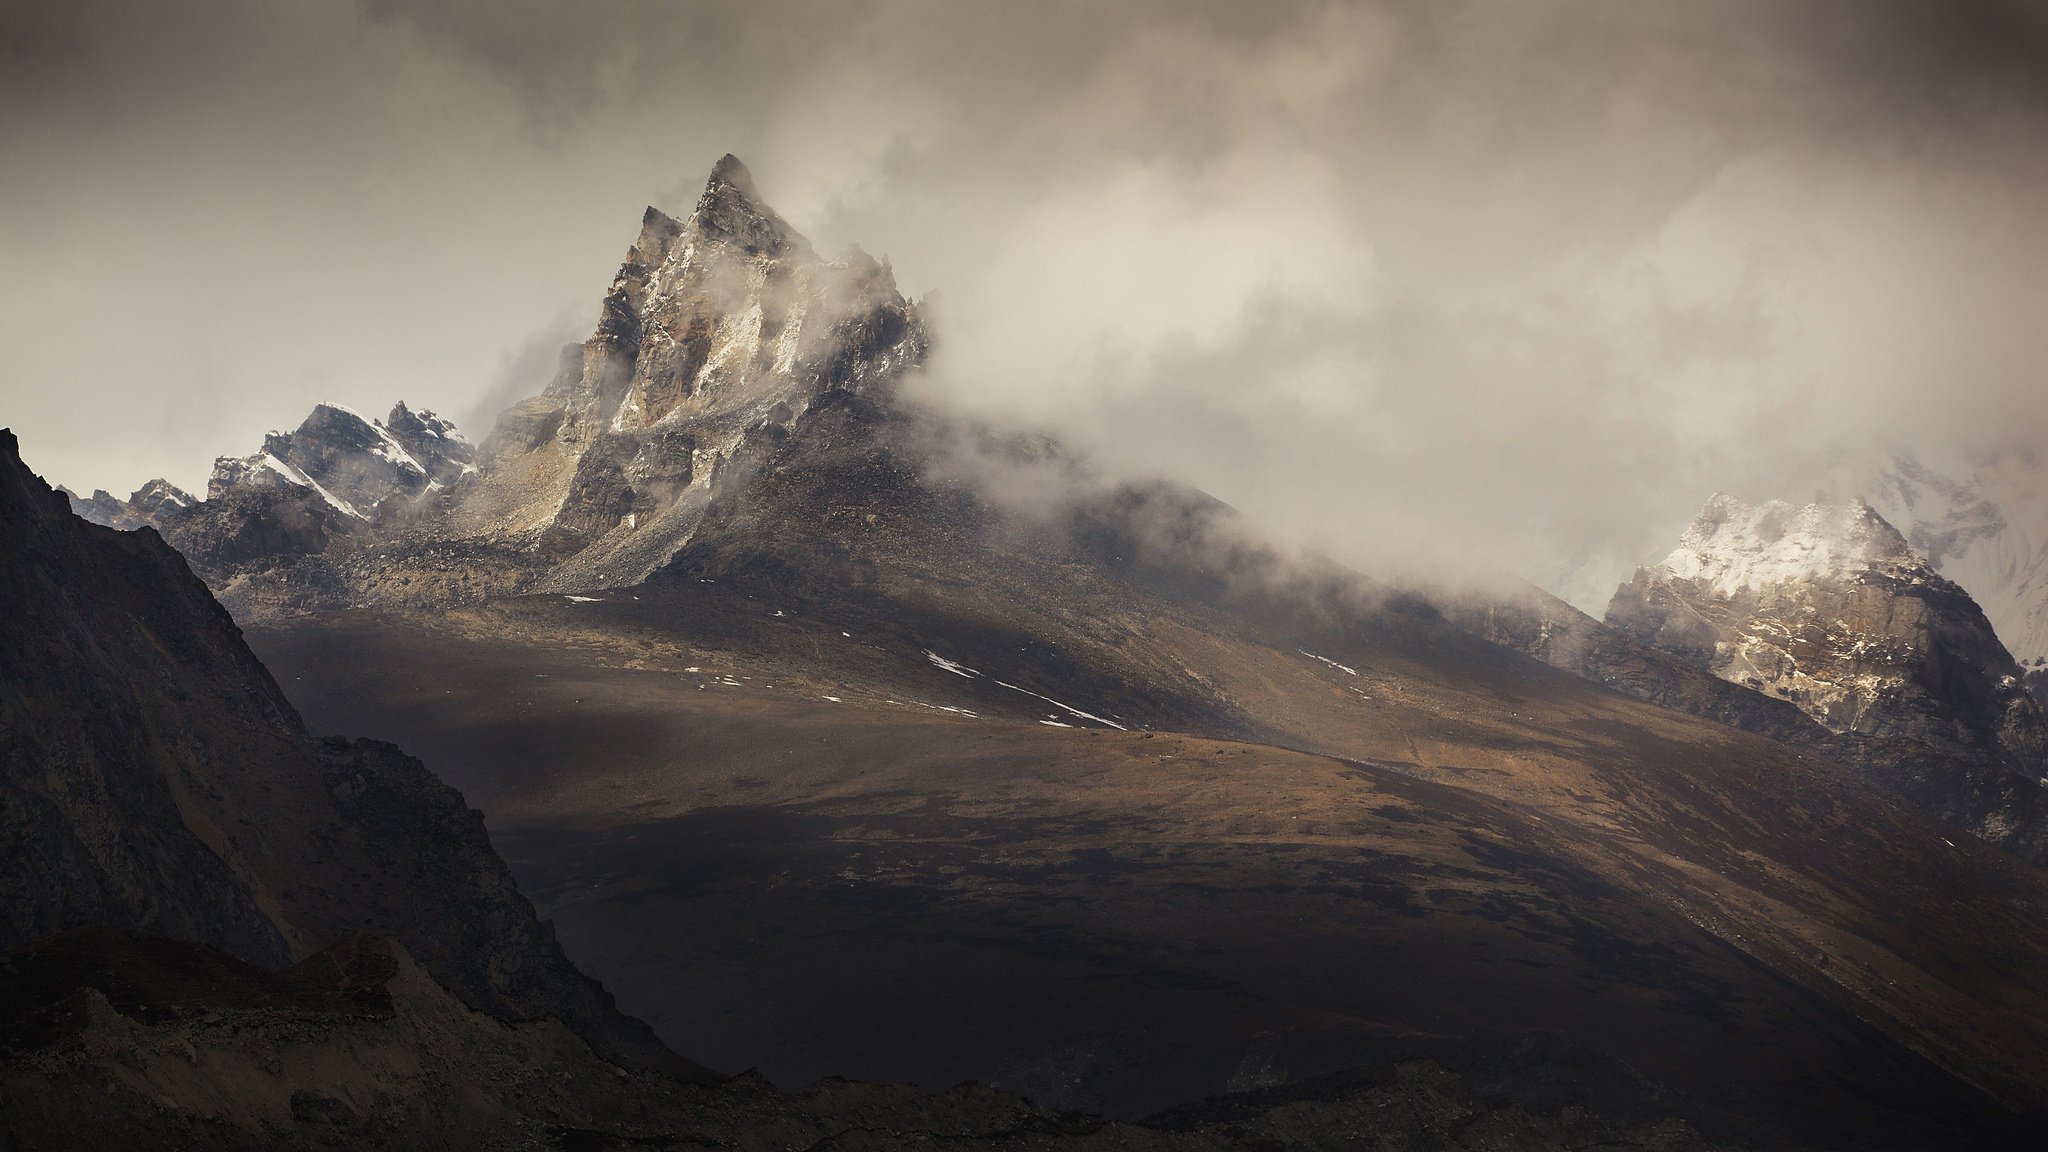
(1827, 607)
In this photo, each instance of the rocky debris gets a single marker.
(156, 779)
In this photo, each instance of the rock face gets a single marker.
(157, 780)
(718, 334)
(1827, 607)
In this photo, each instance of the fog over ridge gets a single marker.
(1536, 277)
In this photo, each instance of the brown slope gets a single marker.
(1751, 922)
(157, 779)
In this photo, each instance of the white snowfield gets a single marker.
(1735, 547)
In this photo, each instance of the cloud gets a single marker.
(1534, 276)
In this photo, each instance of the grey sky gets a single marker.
(1534, 275)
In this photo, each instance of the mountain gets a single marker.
(158, 780)
(874, 739)
(830, 760)
(717, 336)
(1829, 608)
(151, 503)
(361, 468)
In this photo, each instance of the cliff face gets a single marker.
(718, 335)
(157, 780)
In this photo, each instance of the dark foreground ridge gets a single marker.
(156, 779)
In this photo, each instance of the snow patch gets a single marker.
(1347, 670)
(954, 667)
(1067, 708)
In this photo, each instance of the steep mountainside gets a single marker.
(717, 336)
(1217, 816)
(156, 779)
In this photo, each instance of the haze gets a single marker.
(1530, 277)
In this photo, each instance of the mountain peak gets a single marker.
(1736, 547)
(730, 171)
(731, 211)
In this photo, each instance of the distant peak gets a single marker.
(1734, 545)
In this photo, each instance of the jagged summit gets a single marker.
(731, 211)
(717, 335)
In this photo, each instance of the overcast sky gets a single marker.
(1537, 276)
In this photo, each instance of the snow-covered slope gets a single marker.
(1732, 547)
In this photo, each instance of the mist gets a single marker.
(1395, 280)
